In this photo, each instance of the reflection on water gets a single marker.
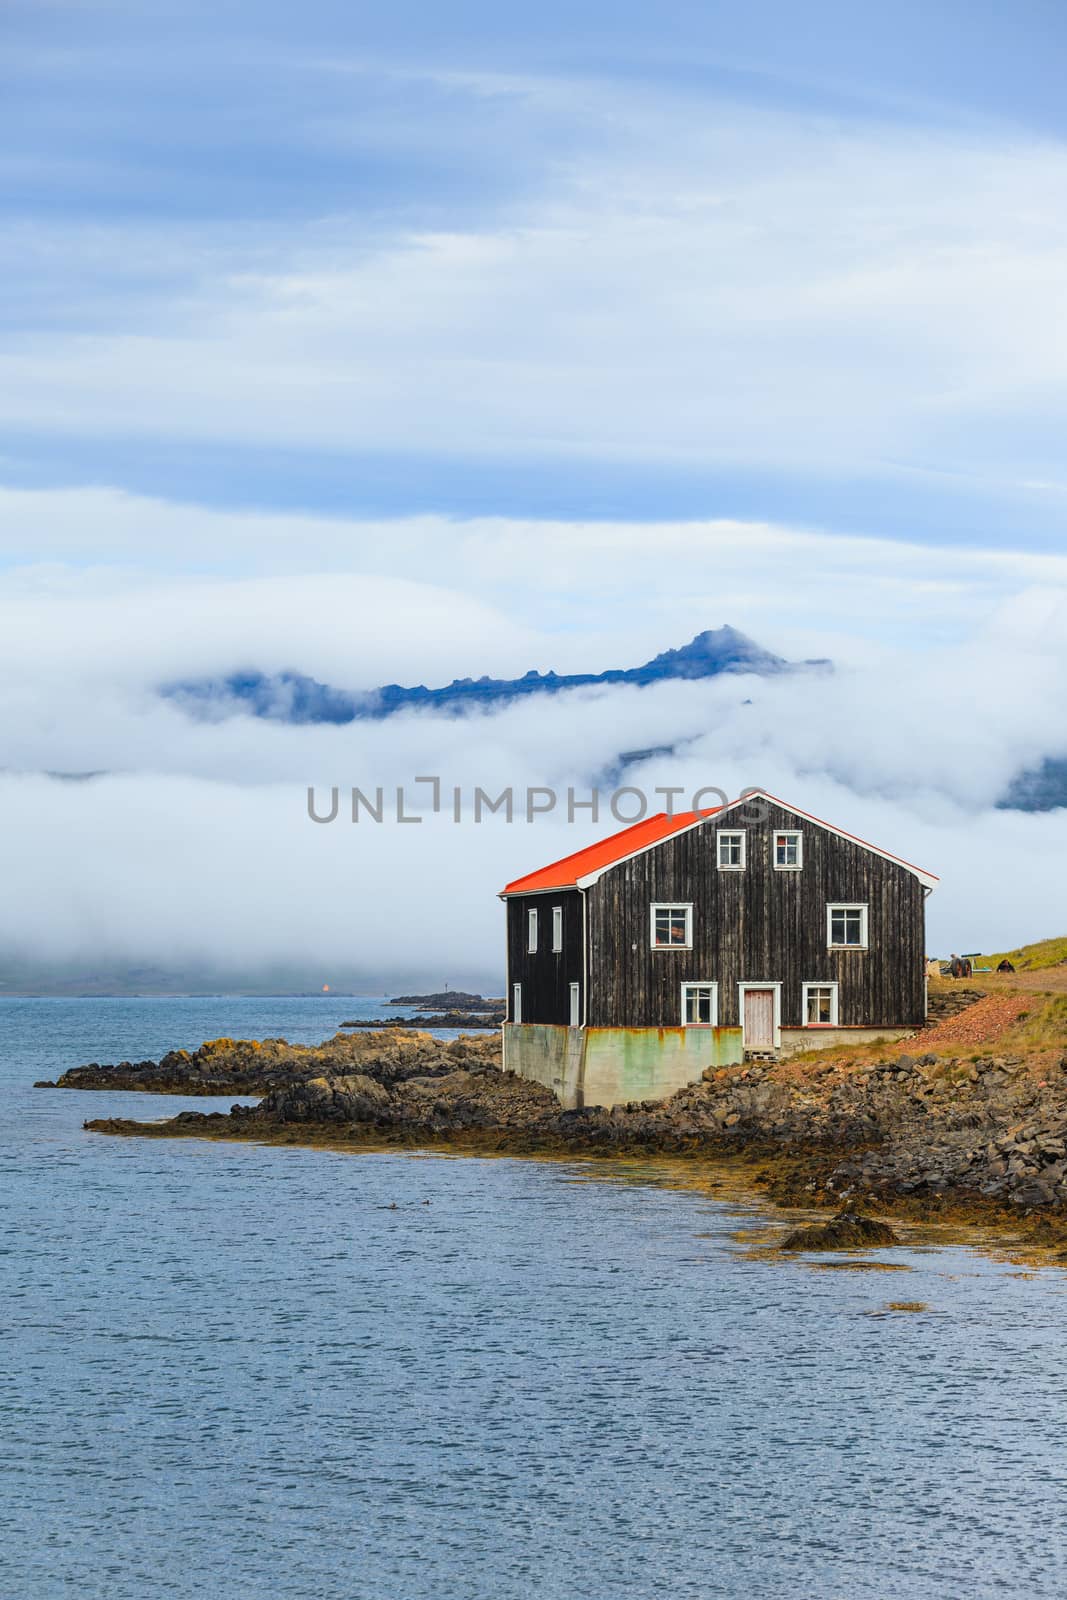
(237, 1371)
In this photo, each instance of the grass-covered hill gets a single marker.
(1033, 957)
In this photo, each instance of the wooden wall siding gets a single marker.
(756, 925)
(545, 977)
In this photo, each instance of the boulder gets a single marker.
(847, 1231)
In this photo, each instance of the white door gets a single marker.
(759, 1019)
(575, 1006)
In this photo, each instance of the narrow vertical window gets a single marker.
(516, 1002)
(557, 928)
(531, 932)
(576, 1012)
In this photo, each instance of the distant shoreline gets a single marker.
(60, 992)
(185, 994)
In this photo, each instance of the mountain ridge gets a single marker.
(295, 697)
(1039, 788)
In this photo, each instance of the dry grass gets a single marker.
(986, 1028)
(1042, 964)
(1039, 1033)
(1033, 957)
(1040, 979)
(1043, 1028)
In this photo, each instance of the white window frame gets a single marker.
(557, 929)
(701, 983)
(531, 931)
(731, 833)
(816, 983)
(776, 989)
(576, 1005)
(671, 905)
(787, 833)
(516, 1002)
(848, 905)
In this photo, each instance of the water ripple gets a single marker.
(234, 1373)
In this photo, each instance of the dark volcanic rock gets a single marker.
(847, 1231)
(442, 1019)
(258, 1066)
(985, 1130)
(449, 1000)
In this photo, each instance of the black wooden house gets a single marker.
(693, 939)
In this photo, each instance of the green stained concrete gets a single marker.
(610, 1066)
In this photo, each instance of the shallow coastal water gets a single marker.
(235, 1371)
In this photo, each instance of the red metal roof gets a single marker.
(564, 874)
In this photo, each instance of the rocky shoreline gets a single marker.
(261, 1066)
(925, 1133)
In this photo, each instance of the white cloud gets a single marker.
(371, 597)
(199, 845)
(351, 629)
(950, 665)
(724, 286)
(187, 872)
(691, 284)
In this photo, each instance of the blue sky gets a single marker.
(593, 261)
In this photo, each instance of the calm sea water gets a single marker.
(238, 1372)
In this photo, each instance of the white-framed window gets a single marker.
(557, 929)
(576, 1005)
(531, 932)
(788, 850)
(846, 927)
(819, 1005)
(730, 849)
(671, 926)
(700, 1005)
(516, 1002)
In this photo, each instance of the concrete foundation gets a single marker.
(795, 1040)
(611, 1066)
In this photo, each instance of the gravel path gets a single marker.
(986, 1020)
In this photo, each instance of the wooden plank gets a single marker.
(757, 925)
(547, 975)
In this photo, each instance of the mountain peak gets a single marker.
(716, 650)
(294, 697)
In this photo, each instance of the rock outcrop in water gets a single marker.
(441, 1019)
(450, 1000)
(847, 1231)
(259, 1066)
